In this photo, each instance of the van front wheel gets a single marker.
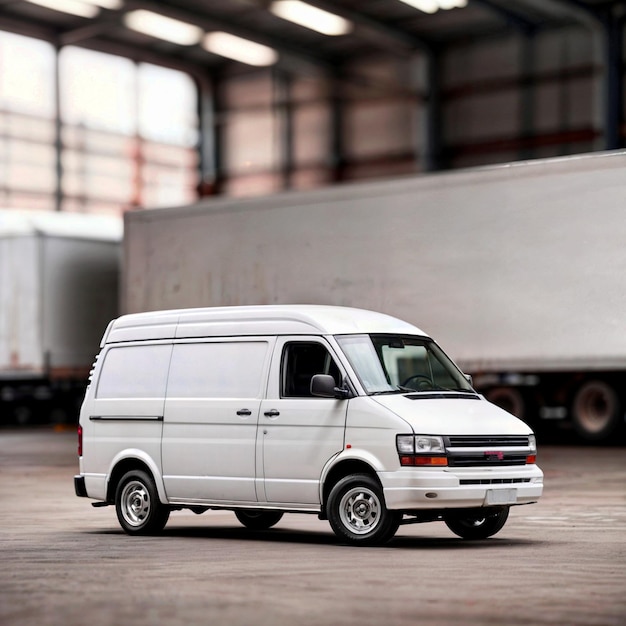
(139, 510)
(357, 511)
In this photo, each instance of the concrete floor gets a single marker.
(559, 562)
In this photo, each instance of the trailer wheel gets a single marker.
(23, 415)
(596, 410)
(477, 525)
(139, 510)
(258, 520)
(509, 399)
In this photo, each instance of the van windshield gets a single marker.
(401, 364)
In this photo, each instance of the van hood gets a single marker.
(452, 414)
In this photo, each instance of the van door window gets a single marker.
(301, 361)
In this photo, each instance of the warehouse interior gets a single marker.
(280, 280)
(114, 105)
(110, 108)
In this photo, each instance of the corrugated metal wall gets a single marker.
(500, 99)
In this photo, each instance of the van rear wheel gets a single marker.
(357, 511)
(476, 525)
(258, 520)
(139, 510)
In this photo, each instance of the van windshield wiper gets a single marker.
(437, 389)
(398, 389)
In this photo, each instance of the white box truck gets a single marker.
(59, 276)
(519, 269)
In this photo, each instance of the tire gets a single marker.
(596, 411)
(139, 510)
(357, 512)
(23, 415)
(476, 526)
(258, 520)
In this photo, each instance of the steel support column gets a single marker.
(429, 141)
(210, 144)
(283, 109)
(527, 94)
(58, 137)
(613, 88)
(337, 144)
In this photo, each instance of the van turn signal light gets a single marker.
(422, 461)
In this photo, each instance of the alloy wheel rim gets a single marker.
(360, 510)
(135, 502)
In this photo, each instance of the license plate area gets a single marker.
(501, 496)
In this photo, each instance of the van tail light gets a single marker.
(531, 459)
(80, 440)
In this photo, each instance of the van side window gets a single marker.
(301, 361)
(217, 370)
(134, 372)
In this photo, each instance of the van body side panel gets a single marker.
(119, 424)
(373, 431)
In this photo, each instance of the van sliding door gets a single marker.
(211, 412)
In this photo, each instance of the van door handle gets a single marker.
(272, 413)
(244, 412)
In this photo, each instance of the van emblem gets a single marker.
(494, 455)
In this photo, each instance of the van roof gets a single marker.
(292, 319)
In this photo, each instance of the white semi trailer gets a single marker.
(519, 270)
(59, 276)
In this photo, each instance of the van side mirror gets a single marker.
(323, 386)
(468, 377)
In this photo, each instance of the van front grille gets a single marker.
(487, 451)
(478, 441)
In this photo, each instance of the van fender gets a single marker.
(134, 454)
(346, 456)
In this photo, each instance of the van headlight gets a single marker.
(427, 443)
(531, 457)
(421, 450)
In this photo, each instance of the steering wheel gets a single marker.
(423, 382)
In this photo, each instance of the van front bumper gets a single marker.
(437, 488)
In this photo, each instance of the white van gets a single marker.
(353, 415)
